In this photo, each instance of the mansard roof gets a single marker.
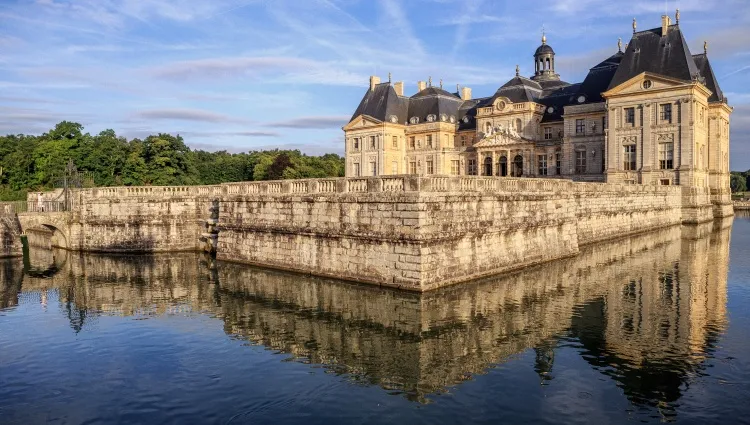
(649, 51)
(599, 78)
(381, 103)
(556, 99)
(707, 72)
(519, 89)
(434, 101)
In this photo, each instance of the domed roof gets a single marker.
(433, 91)
(544, 49)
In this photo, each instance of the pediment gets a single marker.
(636, 84)
(362, 121)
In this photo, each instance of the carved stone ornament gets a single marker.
(627, 140)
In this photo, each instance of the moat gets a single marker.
(650, 328)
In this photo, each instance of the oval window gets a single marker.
(647, 84)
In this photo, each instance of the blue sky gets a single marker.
(242, 74)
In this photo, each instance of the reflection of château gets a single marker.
(650, 299)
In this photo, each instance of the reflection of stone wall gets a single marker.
(11, 276)
(664, 293)
(10, 235)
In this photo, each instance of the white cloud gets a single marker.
(187, 115)
(312, 122)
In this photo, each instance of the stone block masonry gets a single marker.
(413, 232)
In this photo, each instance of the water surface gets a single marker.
(653, 328)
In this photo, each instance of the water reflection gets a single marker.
(645, 311)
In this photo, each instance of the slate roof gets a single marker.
(381, 103)
(704, 66)
(557, 98)
(648, 51)
(519, 89)
(544, 49)
(599, 78)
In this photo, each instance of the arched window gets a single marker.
(517, 166)
(488, 128)
(488, 166)
(503, 166)
(547, 67)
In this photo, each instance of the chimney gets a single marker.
(421, 85)
(374, 81)
(465, 93)
(399, 87)
(666, 21)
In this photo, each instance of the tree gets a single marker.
(36, 162)
(738, 182)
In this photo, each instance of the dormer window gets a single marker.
(393, 119)
(414, 120)
(443, 117)
(430, 118)
(453, 119)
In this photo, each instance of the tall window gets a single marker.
(604, 123)
(666, 156)
(355, 170)
(630, 116)
(411, 142)
(430, 168)
(372, 142)
(472, 167)
(356, 143)
(429, 141)
(519, 126)
(629, 158)
(463, 140)
(558, 163)
(373, 169)
(580, 126)
(542, 165)
(665, 112)
(454, 167)
(580, 162)
(395, 141)
(547, 133)
(394, 167)
(413, 167)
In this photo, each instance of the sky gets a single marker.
(243, 75)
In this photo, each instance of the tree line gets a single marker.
(739, 181)
(33, 163)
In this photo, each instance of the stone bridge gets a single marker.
(56, 225)
(412, 232)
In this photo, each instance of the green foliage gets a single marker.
(738, 181)
(30, 163)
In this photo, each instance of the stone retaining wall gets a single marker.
(412, 232)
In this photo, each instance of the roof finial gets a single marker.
(429, 82)
(634, 25)
(518, 71)
(544, 36)
(389, 77)
(441, 83)
(705, 47)
(677, 16)
(458, 88)
(619, 44)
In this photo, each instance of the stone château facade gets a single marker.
(652, 113)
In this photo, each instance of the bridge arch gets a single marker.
(46, 225)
